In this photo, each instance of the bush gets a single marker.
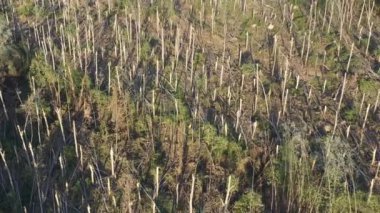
(249, 202)
(12, 59)
(43, 72)
(369, 87)
(223, 150)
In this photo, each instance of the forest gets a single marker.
(189, 106)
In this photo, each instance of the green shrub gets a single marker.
(28, 9)
(357, 202)
(43, 73)
(247, 69)
(5, 33)
(145, 51)
(369, 87)
(351, 115)
(249, 202)
(222, 149)
(12, 57)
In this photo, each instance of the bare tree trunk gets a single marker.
(191, 193)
